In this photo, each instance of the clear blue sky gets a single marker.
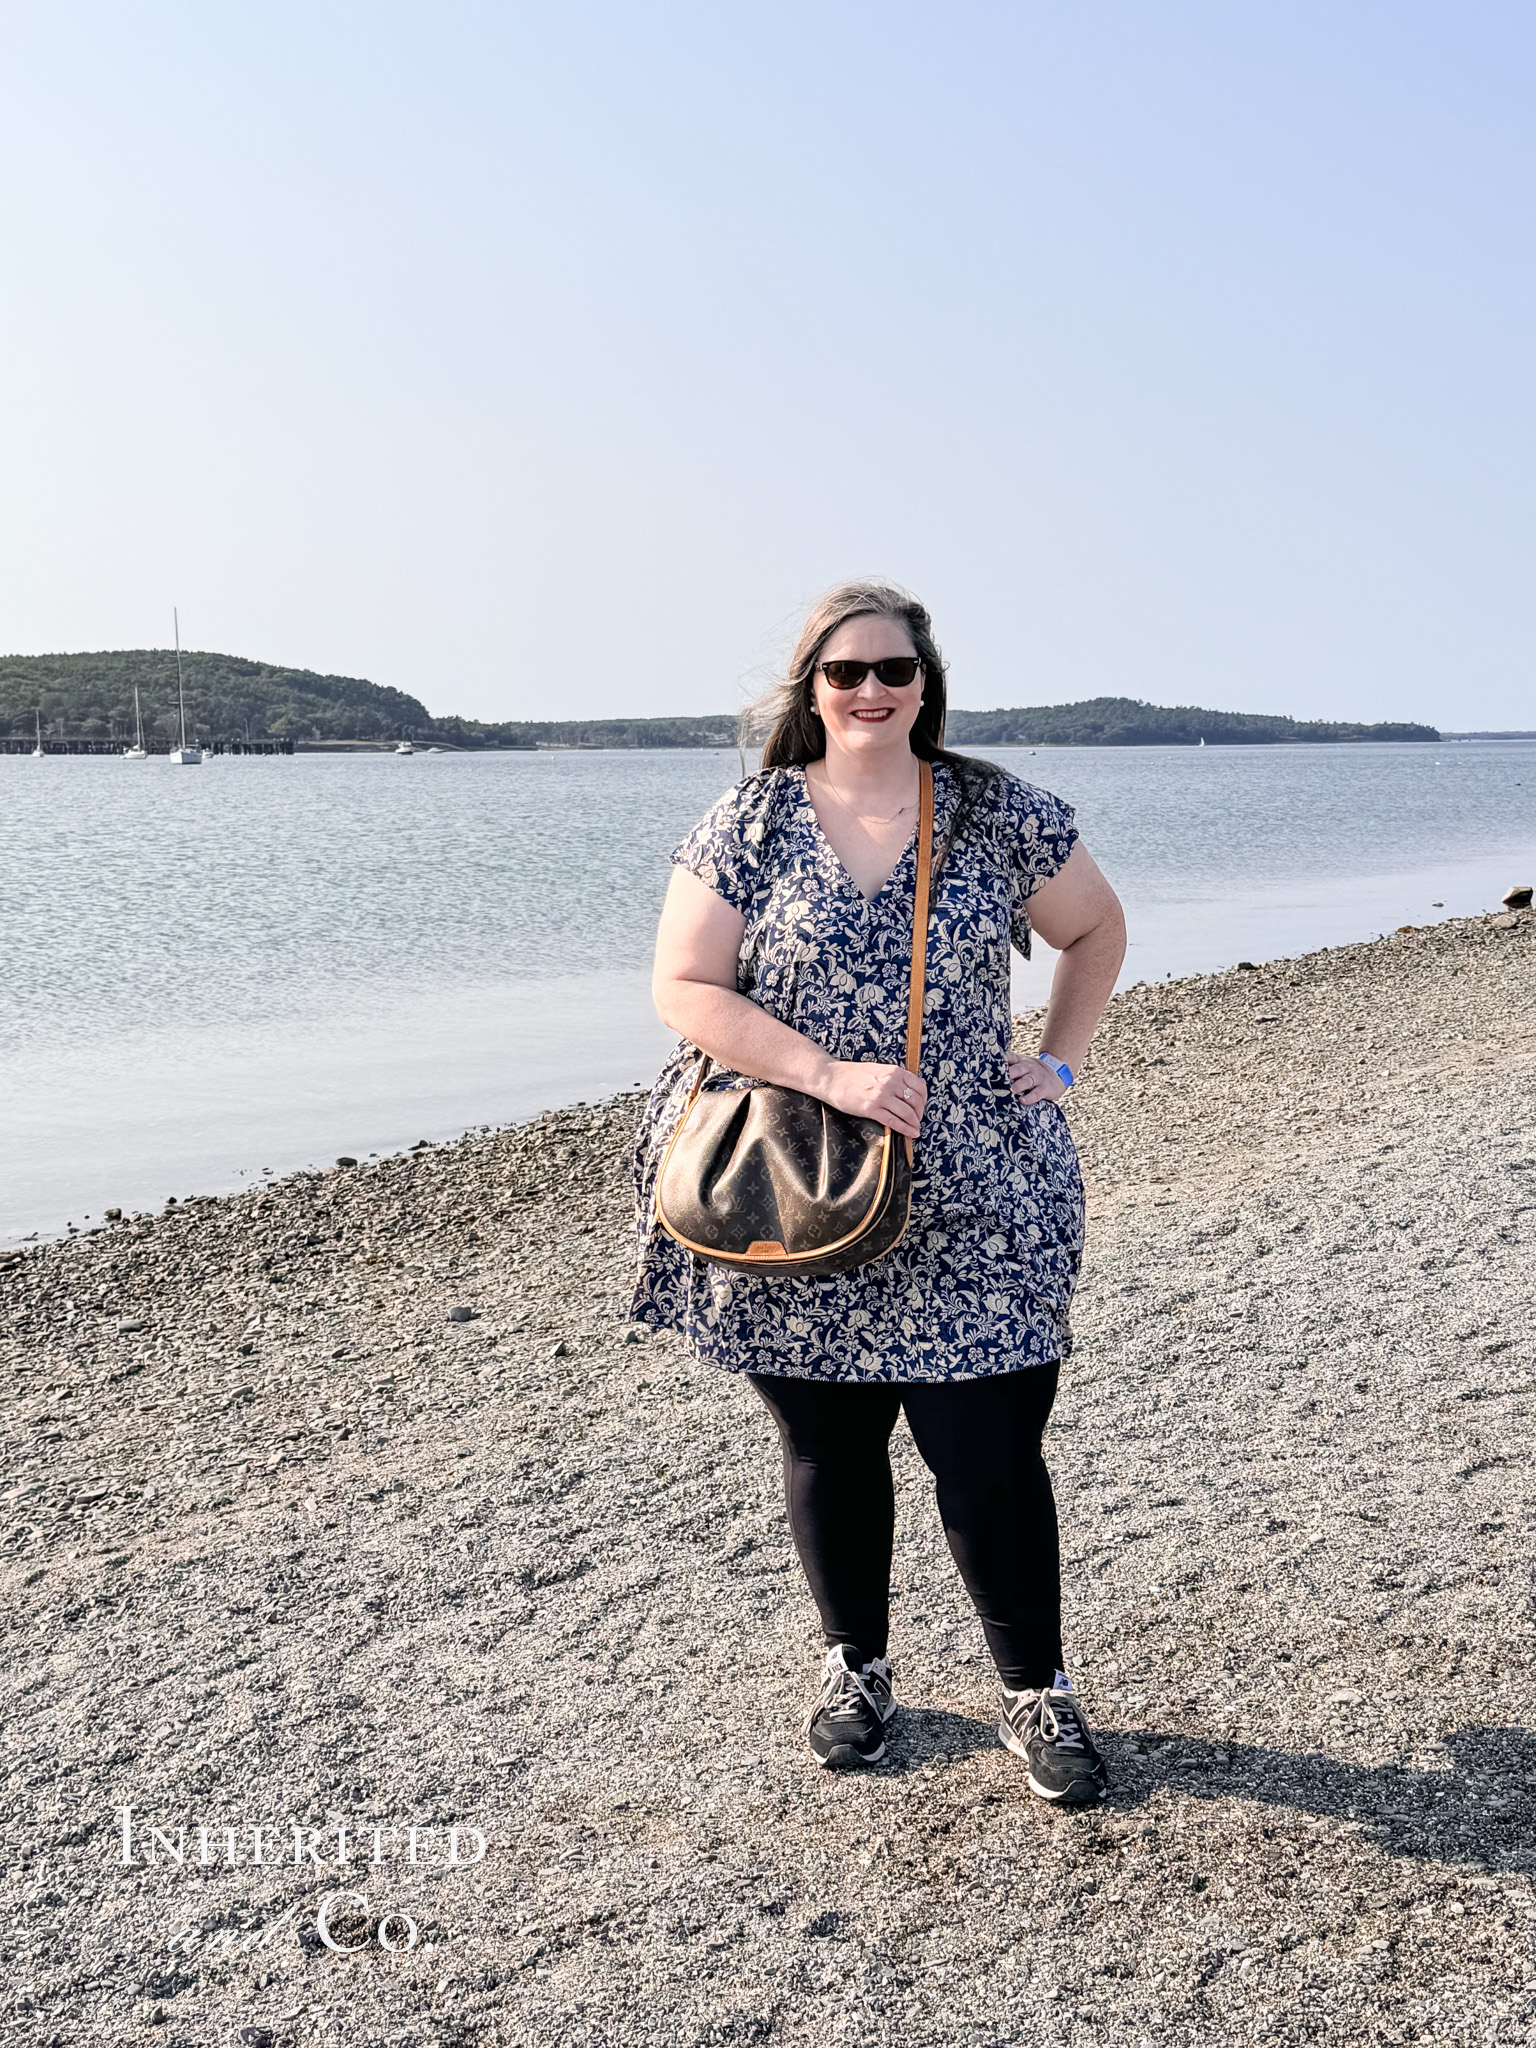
(544, 360)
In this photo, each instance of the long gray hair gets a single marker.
(785, 716)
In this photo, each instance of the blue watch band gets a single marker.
(1059, 1068)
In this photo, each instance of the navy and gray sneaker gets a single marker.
(1048, 1730)
(846, 1726)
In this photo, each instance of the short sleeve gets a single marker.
(1040, 835)
(725, 848)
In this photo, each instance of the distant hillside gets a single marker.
(227, 698)
(90, 696)
(1126, 722)
(711, 729)
(1100, 722)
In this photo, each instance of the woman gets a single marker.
(784, 953)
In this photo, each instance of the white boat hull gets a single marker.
(186, 757)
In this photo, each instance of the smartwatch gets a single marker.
(1059, 1068)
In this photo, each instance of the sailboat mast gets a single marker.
(180, 693)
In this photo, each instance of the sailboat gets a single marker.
(136, 751)
(37, 751)
(184, 756)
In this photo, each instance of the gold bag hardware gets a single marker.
(768, 1180)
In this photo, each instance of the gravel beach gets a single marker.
(288, 1548)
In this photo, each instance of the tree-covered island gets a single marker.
(90, 697)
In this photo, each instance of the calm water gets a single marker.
(215, 972)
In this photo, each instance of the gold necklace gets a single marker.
(848, 807)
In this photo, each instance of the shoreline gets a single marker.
(221, 750)
(284, 1541)
(305, 1151)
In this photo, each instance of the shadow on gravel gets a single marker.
(1480, 1810)
(922, 1733)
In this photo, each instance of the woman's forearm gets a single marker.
(743, 1037)
(748, 1041)
(1082, 984)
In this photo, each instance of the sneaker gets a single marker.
(847, 1724)
(1047, 1729)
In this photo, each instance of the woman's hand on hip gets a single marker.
(890, 1095)
(1032, 1082)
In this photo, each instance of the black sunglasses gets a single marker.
(895, 673)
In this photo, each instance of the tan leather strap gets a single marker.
(920, 915)
(919, 923)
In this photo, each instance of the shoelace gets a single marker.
(1060, 1725)
(839, 1683)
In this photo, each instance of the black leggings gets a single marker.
(981, 1441)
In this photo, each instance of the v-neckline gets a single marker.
(836, 858)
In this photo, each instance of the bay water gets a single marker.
(215, 974)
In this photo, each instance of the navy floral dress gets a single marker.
(982, 1280)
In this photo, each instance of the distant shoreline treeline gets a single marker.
(90, 696)
(228, 698)
(1125, 722)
